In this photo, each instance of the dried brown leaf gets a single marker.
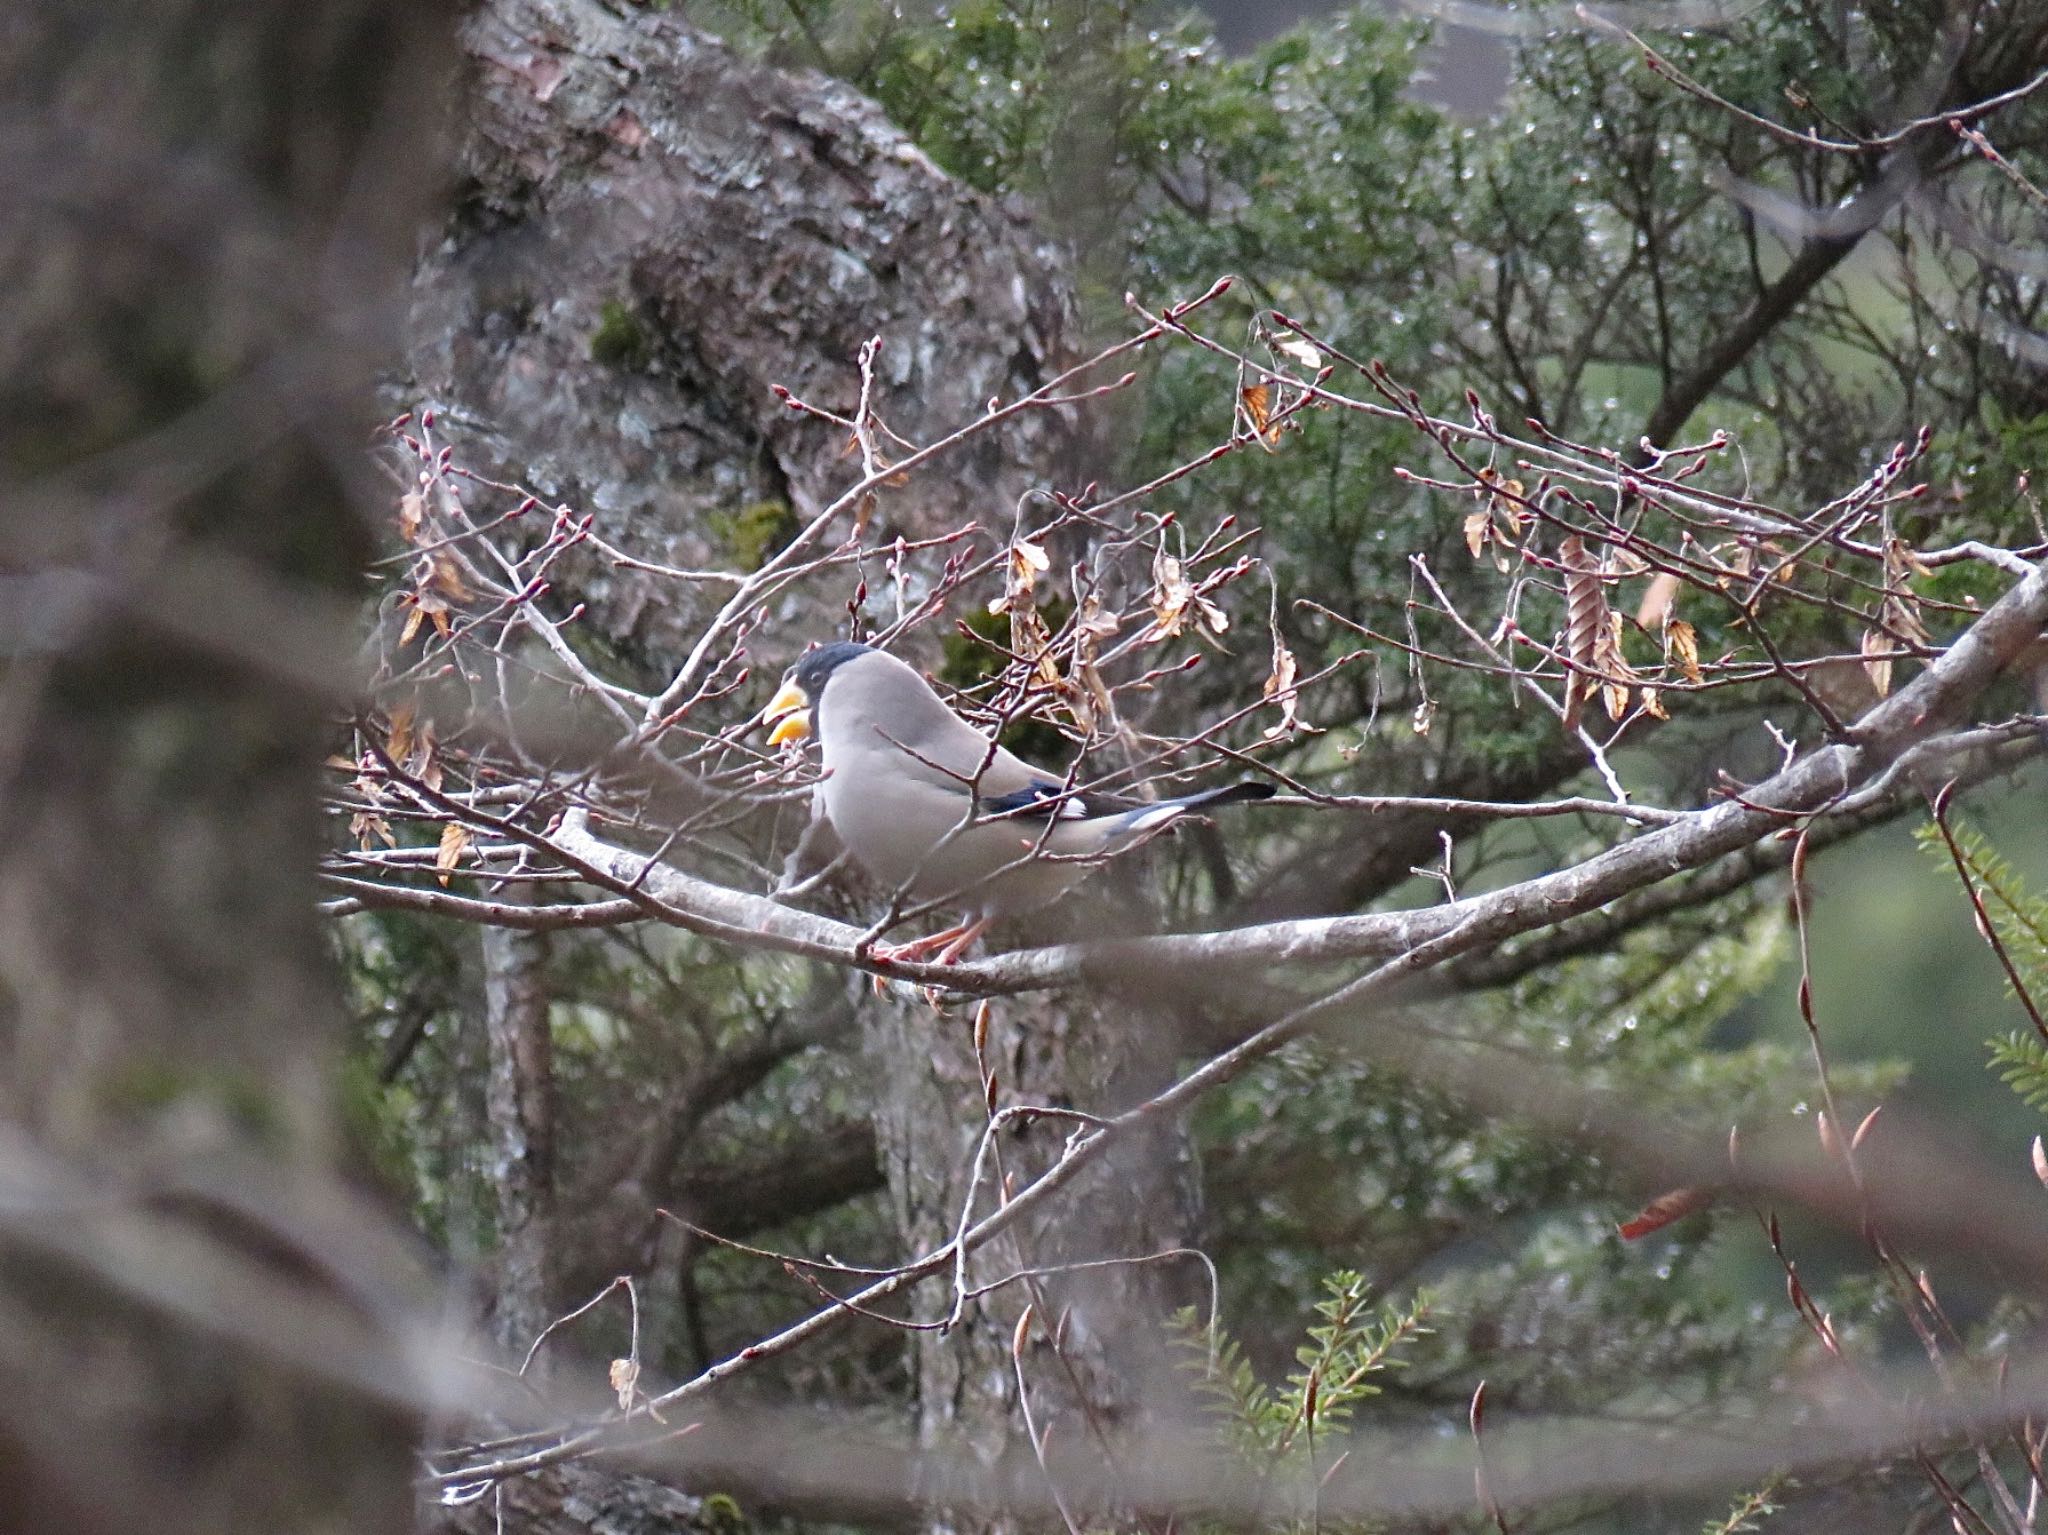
(1281, 688)
(1503, 504)
(1585, 625)
(1733, 561)
(1663, 1210)
(1876, 647)
(625, 1378)
(427, 602)
(399, 743)
(1172, 592)
(1175, 599)
(1900, 611)
(412, 509)
(1026, 563)
(1782, 567)
(426, 760)
(1091, 627)
(455, 837)
(365, 824)
(1624, 563)
(1477, 528)
(1030, 639)
(447, 575)
(1257, 403)
(1684, 644)
(1616, 675)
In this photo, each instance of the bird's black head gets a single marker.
(818, 665)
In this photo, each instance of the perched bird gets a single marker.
(931, 806)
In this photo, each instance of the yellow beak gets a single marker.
(788, 715)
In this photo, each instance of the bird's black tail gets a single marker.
(1148, 817)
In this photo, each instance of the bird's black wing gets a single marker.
(1041, 800)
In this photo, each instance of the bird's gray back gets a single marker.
(902, 774)
(878, 704)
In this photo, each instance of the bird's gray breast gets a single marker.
(910, 826)
(890, 808)
(901, 773)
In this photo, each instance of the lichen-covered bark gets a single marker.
(520, 1099)
(1107, 1374)
(652, 232)
(194, 1334)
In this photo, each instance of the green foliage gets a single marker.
(2021, 1061)
(970, 658)
(1333, 1151)
(2018, 917)
(1569, 261)
(1337, 1367)
(1748, 1513)
(2019, 921)
(1981, 473)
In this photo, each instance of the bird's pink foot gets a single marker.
(917, 949)
(943, 948)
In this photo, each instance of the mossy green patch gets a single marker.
(755, 531)
(620, 340)
(722, 1512)
(966, 663)
(963, 662)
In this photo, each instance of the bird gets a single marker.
(935, 809)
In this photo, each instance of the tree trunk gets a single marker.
(199, 1318)
(1107, 1371)
(521, 1101)
(653, 233)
